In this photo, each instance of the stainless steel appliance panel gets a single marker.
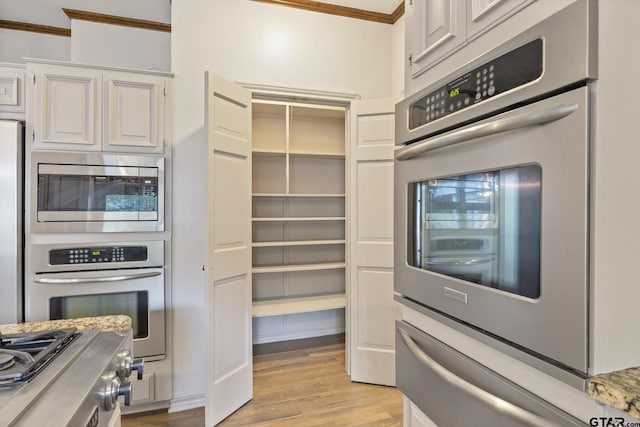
(73, 192)
(454, 390)
(569, 40)
(137, 293)
(11, 229)
(552, 134)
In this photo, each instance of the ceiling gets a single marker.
(383, 6)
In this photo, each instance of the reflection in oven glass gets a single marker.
(482, 228)
(132, 304)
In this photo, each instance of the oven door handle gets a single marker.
(82, 280)
(498, 404)
(485, 129)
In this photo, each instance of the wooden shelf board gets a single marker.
(299, 219)
(317, 154)
(299, 195)
(297, 243)
(262, 152)
(275, 307)
(298, 267)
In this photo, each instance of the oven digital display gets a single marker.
(513, 69)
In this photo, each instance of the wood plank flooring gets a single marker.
(307, 387)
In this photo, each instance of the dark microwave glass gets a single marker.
(97, 193)
(134, 304)
(483, 228)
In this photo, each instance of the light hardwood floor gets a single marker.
(307, 387)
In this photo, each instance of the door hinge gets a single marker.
(411, 59)
(34, 79)
(33, 135)
(164, 91)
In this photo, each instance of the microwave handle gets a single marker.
(500, 405)
(489, 128)
(82, 280)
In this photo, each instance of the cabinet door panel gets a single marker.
(67, 108)
(12, 91)
(438, 30)
(134, 111)
(485, 14)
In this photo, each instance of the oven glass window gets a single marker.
(97, 193)
(482, 228)
(132, 304)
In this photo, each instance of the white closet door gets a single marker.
(371, 306)
(228, 290)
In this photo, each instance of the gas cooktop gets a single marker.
(24, 355)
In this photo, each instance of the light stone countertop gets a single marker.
(104, 323)
(619, 389)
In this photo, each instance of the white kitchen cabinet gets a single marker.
(484, 14)
(298, 209)
(12, 91)
(436, 29)
(82, 108)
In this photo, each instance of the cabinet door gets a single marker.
(133, 112)
(484, 14)
(12, 79)
(66, 107)
(437, 30)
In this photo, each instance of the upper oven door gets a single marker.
(491, 226)
(89, 193)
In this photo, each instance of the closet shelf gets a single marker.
(298, 219)
(299, 195)
(298, 267)
(297, 243)
(325, 155)
(293, 305)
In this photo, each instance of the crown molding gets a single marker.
(349, 12)
(35, 28)
(116, 20)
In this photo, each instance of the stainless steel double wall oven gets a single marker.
(96, 241)
(492, 195)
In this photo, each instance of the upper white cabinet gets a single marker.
(92, 109)
(437, 28)
(12, 93)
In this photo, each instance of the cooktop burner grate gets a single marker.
(24, 355)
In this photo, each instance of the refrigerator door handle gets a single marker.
(523, 416)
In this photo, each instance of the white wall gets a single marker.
(255, 43)
(100, 45)
(118, 46)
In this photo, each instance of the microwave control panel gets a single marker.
(97, 254)
(515, 68)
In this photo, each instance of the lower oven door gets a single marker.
(137, 293)
(491, 228)
(454, 390)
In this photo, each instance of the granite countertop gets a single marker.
(620, 389)
(104, 323)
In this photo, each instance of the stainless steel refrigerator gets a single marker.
(11, 217)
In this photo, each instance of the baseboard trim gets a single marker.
(187, 403)
(298, 344)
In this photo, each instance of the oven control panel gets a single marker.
(97, 254)
(515, 68)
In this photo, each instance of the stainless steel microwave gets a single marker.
(95, 193)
